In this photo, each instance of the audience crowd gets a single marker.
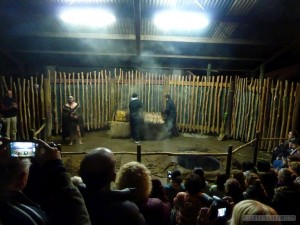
(41, 191)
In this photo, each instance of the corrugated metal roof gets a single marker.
(251, 31)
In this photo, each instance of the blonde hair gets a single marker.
(135, 175)
(251, 207)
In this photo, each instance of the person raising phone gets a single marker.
(38, 190)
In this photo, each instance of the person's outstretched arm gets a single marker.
(50, 186)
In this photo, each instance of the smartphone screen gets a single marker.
(22, 148)
(221, 212)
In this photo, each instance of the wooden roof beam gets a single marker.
(152, 38)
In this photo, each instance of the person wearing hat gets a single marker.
(136, 117)
(170, 113)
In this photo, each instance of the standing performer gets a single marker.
(72, 122)
(136, 117)
(9, 108)
(170, 113)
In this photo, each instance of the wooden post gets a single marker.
(256, 146)
(230, 106)
(208, 73)
(31, 134)
(21, 115)
(261, 71)
(42, 134)
(228, 163)
(25, 108)
(291, 99)
(139, 153)
(33, 102)
(166, 87)
(296, 111)
(114, 96)
(48, 107)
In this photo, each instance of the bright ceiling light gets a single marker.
(180, 20)
(88, 17)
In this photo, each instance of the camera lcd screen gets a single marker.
(22, 149)
(221, 212)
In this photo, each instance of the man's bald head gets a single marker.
(97, 169)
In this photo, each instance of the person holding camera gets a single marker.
(15, 206)
(10, 109)
(174, 186)
(38, 190)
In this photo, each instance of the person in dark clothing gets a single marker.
(72, 121)
(189, 203)
(38, 191)
(283, 149)
(255, 189)
(158, 191)
(15, 206)
(286, 196)
(170, 114)
(106, 206)
(136, 117)
(9, 109)
(174, 186)
(233, 189)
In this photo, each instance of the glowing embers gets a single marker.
(88, 17)
(180, 20)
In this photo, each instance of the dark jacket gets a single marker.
(16, 208)
(50, 186)
(170, 110)
(135, 108)
(5, 110)
(172, 192)
(256, 192)
(155, 211)
(111, 208)
(286, 200)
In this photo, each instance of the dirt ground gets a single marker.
(125, 151)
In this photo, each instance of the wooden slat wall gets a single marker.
(28, 94)
(258, 105)
(91, 90)
(265, 106)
